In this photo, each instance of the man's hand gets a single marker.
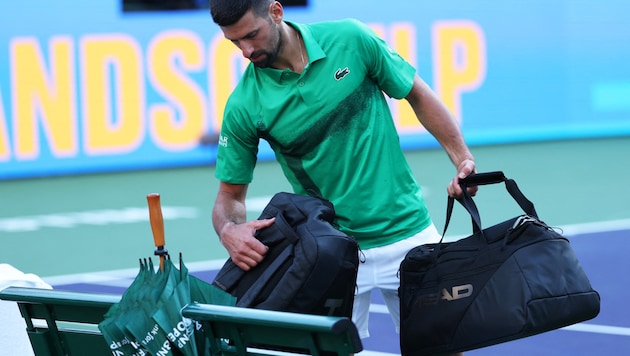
(464, 169)
(244, 249)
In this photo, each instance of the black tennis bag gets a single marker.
(509, 281)
(310, 267)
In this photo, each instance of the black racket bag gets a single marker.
(311, 267)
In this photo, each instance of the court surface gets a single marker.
(87, 232)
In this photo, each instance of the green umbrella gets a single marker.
(185, 334)
(179, 330)
(148, 318)
(154, 295)
(120, 342)
(206, 293)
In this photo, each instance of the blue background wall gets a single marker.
(85, 87)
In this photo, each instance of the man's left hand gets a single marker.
(465, 168)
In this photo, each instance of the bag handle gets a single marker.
(484, 179)
(283, 228)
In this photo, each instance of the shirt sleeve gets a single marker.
(238, 147)
(393, 74)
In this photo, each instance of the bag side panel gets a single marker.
(330, 287)
(540, 288)
(499, 312)
(434, 304)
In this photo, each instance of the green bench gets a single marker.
(66, 323)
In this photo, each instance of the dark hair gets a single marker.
(229, 12)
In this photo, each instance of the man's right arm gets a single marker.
(229, 218)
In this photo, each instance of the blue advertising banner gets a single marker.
(87, 87)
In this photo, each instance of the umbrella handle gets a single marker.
(157, 226)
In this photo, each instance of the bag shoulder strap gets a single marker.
(254, 290)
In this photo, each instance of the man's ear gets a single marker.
(276, 12)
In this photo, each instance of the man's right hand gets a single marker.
(245, 250)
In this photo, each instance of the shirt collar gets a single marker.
(313, 49)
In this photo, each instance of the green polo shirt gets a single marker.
(331, 130)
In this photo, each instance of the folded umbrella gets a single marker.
(181, 332)
(153, 296)
(148, 319)
(120, 342)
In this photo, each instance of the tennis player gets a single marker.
(317, 93)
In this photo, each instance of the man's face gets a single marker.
(258, 38)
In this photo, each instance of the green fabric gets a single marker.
(206, 293)
(148, 318)
(179, 330)
(186, 334)
(153, 295)
(116, 335)
(333, 134)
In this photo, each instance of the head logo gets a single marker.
(455, 293)
(341, 73)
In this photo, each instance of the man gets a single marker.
(315, 93)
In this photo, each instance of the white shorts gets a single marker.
(378, 269)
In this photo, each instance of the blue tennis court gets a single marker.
(600, 252)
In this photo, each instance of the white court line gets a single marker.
(280, 353)
(595, 227)
(588, 328)
(257, 204)
(123, 277)
(599, 329)
(579, 229)
(102, 217)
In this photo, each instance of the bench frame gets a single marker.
(66, 323)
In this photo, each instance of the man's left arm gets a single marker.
(437, 119)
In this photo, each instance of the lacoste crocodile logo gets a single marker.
(341, 73)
